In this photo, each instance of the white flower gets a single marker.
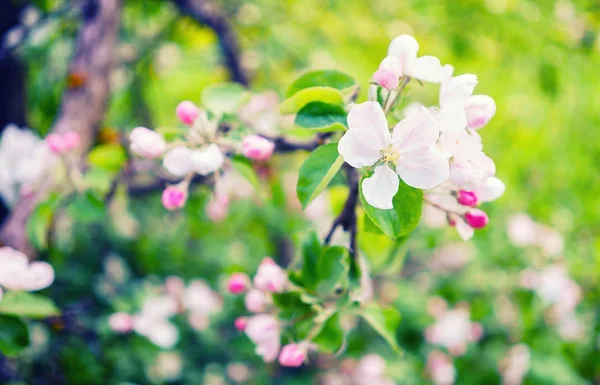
(454, 94)
(16, 273)
(181, 161)
(491, 189)
(426, 68)
(199, 298)
(147, 143)
(409, 151)
(264, 331)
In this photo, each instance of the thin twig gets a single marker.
(347, 218)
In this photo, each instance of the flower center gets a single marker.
(390, 155)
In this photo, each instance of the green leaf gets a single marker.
(329, 78)
(223, 98)
(311, 252)
(314, 94)
(331, 337)
(385, 321)
(403, 218)
(244, 167)
(171, 133)
(39, 222)
(332, 269)
(98, 179)
(110, 157)
(14, 336)
(322, 117)
(317, 171)
(28, 305)
(290, 304)
(87, 208)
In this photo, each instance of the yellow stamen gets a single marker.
(390, 155)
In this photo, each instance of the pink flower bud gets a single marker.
(270, 277)
(477, 219)
(187, 112)
(467, 198)
(56, 143)
(480, 109)
(173, 198)
(240, 323)
(292, 355)
(257, 148)
(256, 301)
(120, 322)
(174, 286)
(238, 283)
(147, 143)
(71, 140)
(386, 79)
(218, 208)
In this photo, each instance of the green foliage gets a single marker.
(14, 336)
(328, 78)
(29, 305)
(87, 207)
(109, 157)
(403, 218)
(305, 96)
(38, 223)
(244, 167)
(385, 321)
(330, 338)
(223, 98)
(322, 117)
(317, 171)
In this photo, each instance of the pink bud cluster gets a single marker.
(62, 143)
(256, 147)
(264, 329)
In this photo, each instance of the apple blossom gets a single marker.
(158, 330)
(453, 330)
(440, 368)
(18, 274)
(264, 331)
(270, 277)
(389, 73)
(181, 161)
(147, 143)
(262, 113)
(479, 109)
(292, 355)
(491, 189)
(408, 152)
(257, 148)
(61, 143)
(121, 322)
(370, 367)
(514, 366)
(199, 298)
(207, 160)
(477, 219)
(256, 301)
(238, 283)
(173, 198)
(187, 112)
(521, 229)
(454, 93)
(218, 207)
(426, 68)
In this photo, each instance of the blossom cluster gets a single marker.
(18, 274)
(196, 300)
(264, 328)
(202, 151)
(368, 370)
(436, 149)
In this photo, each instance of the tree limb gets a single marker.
(83, 104)
(206, 14)
(347, 218)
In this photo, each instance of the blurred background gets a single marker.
(539, 60)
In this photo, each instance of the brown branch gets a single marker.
(83, 104)
(347, 218)
(207, 14)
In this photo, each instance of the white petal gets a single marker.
(13, 264)
(360, 147)
(423, 169)
(465, 231)
(39, 276)
(380, 188)
(208, 160)
(458, 88)
(405, 47)
(178, 161)
(370, 116)
(426, 68)
(392, 64)
(452, 117)
(491, 189)
(416, 131)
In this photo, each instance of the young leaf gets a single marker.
(331, 337)
(28, 305)
(403, 218)
(14, 336)
(317, 171)
(244, 167)
(329, 78)
(332, 269)
(311, 252)
(39, 222)
(110, 157)
(384, 321)
(87, 208)
(223, 98)
(322, 117)
(314, 94)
